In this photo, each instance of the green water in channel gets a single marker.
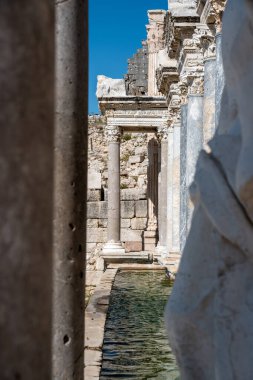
(135, 344)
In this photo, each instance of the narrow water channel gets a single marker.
(135, 344)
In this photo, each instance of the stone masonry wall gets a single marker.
(134, 164)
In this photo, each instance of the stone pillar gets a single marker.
(162, 133)
(150, 235)
(26, 192)
(176, 190)
(194, 136)
(113, 230)
(220, 79)
(170, 190)
(152, 66)
(70, 188)
(152, 189)
(183, 173)
(209, 95)
(156, 42)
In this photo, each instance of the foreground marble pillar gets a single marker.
(170, 190)
(209, 100)
(194, 139)
(210, 310)
(113, 244)
(70, 189)
(162, 200)
(176, 191)
(26, 192)
(183, 173)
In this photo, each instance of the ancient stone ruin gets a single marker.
(143, 150)
(195, 99)
(169, 174)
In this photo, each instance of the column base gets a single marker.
(175, 255)
(113, 248)
(175, 251)
(161, 250)
(150, 240)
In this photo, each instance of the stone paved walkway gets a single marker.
(95, 318)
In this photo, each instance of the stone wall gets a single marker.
(134, 166)
(136, 78)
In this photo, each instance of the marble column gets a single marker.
(150, 235)
(162, 200)
(26, 191)
(70, 188)
(194, 137)
(170, 190)
(220, 79)
(152, 189)
(113, 230)
(152, 66)
(183, 173)
(176, 190)
(209, 99)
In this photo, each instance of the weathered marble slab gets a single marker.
(210, 312)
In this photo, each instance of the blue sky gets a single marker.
(117, 28)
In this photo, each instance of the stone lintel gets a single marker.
(138, 120)
(138, 124)
(131, 103)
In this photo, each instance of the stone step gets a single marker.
(125, 257)
(141, 267)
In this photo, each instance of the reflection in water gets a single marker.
(135, 344)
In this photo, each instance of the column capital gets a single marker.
(112, 132)
(183, 86)
(175, 96)
(175, 116)
(209, 47)
(162, 131)
(207, 43)
(195, 42)
(192, 60)
(196, 84)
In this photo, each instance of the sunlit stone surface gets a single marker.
(210, 312)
